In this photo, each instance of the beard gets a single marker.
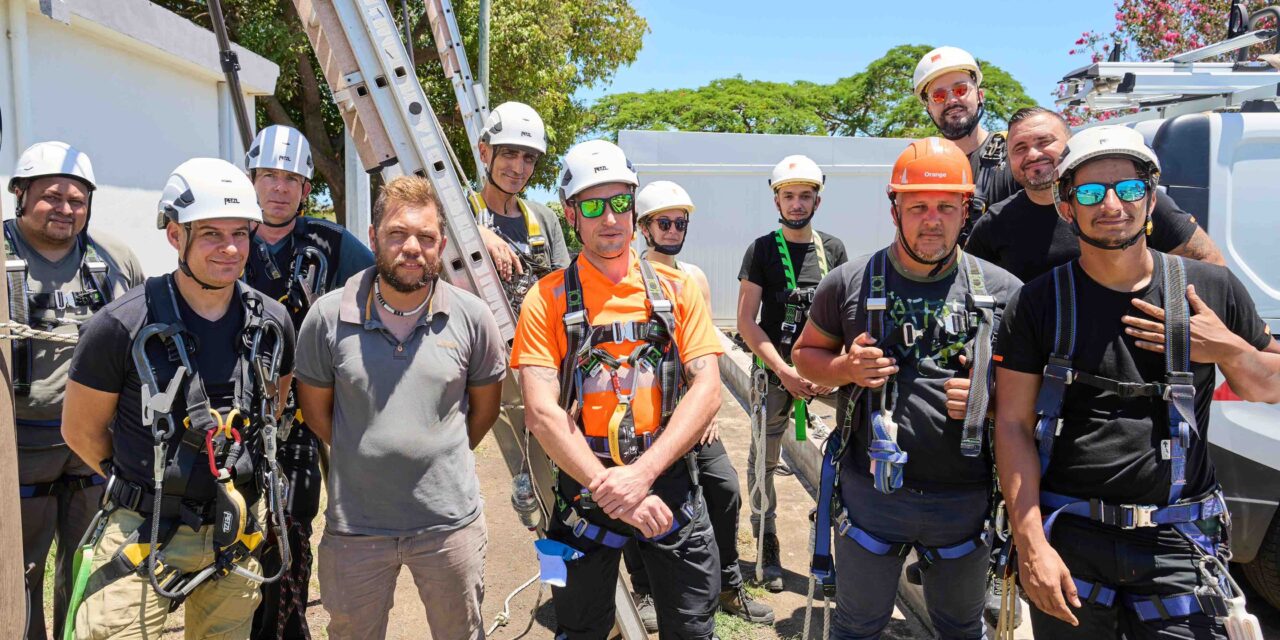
(954, 129)
(387, 271)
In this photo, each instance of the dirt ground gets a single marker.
(511, 562)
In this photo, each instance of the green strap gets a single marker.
(799, 407)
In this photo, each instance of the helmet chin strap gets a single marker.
(977, 119)
(664, 249)
(937, 263)
(186, 268)
(1146, 227)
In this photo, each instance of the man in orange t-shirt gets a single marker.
(621, 435)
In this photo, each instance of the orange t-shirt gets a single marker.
(540, 337)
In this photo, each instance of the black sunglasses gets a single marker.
(680, 223)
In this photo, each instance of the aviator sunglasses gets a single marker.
(594, 207)
(939, 96)
(1092, 193)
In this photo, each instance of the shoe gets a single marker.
(991, 610)
(648, 612)
(772, 564)
(739, 603)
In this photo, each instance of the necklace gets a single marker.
(377, 292)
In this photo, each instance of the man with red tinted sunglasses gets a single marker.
(948, 81)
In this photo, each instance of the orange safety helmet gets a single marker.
(932, 164)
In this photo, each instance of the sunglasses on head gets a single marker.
(665, 225)
(1092, 193)
(939, 96)
(594, 207)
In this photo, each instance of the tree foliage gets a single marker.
(879, 100)
(876, 101)
(1148, 30)
(541, 52)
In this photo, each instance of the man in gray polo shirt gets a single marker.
(401, 374)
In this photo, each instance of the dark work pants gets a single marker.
(64, 517)
(283, 611)
(867, 584)
(683, 571)
(720, 490)
(1139, 562)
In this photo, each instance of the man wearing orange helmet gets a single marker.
(902, 332)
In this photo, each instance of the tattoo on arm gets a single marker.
(547, 375)
(1199, 247)
(695, 368)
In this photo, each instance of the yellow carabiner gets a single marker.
(217, 418)
(615, 424)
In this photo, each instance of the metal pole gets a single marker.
(484, 46)
(408, 32)
(231, 67)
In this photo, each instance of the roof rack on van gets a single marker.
(1185, 83)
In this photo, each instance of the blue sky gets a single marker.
(695, 41)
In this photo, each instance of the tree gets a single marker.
(541, 52)
(880, 100)
(1147, 30)
(728, 105)
(877, 101)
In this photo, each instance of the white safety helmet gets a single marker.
(205, 189)
(940, 61)
(592, 163)
(661, 196)
(796, 169)
(1108, 141)
(515, 124)
(280, 147)
(53, 158)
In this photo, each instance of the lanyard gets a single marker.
(787, 265)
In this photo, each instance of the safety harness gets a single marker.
(1178, 392)
(887, 458)
(536, 261)
(796, 302)
(584, 359)
(186, 441)
(315, 251)
(991, 157)
(40, 310)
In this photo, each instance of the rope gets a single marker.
(504, 616)
(18, 331)
(758, 495)
(808, 603)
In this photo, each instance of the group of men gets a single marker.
(193, 408)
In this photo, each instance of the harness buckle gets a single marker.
(575, 318)
(1066, 374)
(1138, 515)
(661, 306)
(624, 332)
(979, 301)
(877, 304)
(61, 300)
(580, 527)
(910, 334)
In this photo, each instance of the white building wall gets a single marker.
(727, 175)
(138, 110)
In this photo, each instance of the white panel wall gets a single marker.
(727, 175)
(137, 115)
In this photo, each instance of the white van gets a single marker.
(1224, 168)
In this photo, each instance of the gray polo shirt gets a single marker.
(401, 462)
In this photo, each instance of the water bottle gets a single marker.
(524, 501)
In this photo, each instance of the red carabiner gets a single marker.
(208, 446)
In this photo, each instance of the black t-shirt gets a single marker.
(762, 266)
(1109, 447)
(998, 182)
(103, 361)
(935, 310)
(1029, 239)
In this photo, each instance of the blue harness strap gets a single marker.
(887, 458)
(586, 530)
(1058, 372)
(63, 485)
(1149, 608)
(928, 555)
(821, 565)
